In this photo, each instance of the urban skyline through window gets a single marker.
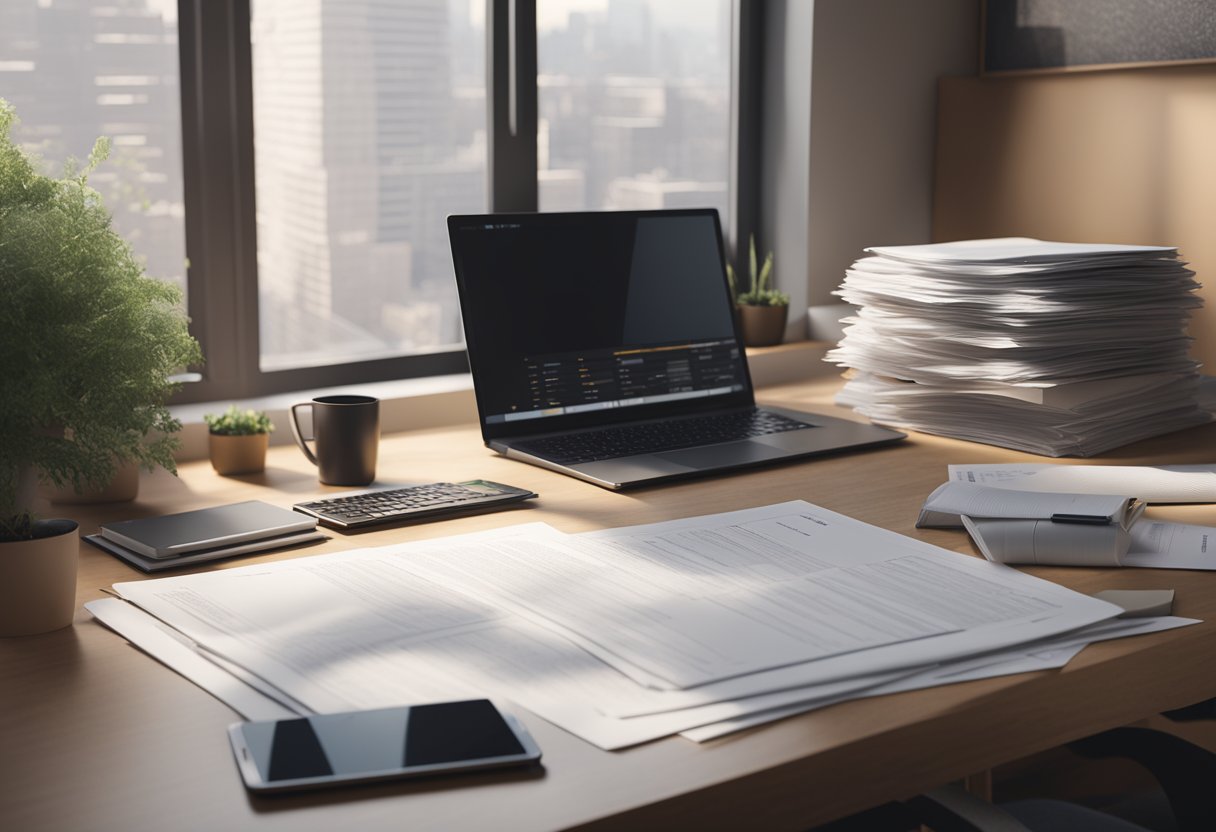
(75, 71)
(634, 99)
(369, 129)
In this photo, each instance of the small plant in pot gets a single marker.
(238, 440)
(762, 309)
(89, 343)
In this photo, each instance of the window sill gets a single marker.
(406, 404)
(788, 363)
(438, 401)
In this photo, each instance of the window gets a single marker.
(368, 130)
(325, 143)
(75, 72)
(634, 104)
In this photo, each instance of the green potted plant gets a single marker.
(762, 309)
(89, 344)
(238, 440)
(123, 487)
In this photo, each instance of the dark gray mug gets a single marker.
(346, 430)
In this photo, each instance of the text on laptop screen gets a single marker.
(568, 314)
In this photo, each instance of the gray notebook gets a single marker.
(172, 535)
(181, 561)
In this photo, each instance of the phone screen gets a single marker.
(378, 743)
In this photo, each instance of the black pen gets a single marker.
(1088, 519)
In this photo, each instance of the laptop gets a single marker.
(604, 345)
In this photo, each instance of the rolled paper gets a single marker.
(1048, 543)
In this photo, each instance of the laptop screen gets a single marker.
(578, 319)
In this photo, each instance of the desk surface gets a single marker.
(96, 735)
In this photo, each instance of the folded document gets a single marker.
(953, 500)
(1151, 483)
(1047, 543)
(1035, 527)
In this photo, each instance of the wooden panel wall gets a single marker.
(1126, 156)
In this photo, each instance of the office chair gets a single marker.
(951, 809)
(1185, 772)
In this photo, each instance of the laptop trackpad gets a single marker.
(721, 456)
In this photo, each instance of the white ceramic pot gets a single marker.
(38, 580)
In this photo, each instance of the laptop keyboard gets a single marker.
(652, 437)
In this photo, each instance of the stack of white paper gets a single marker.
(620, 636)
(1053, 348)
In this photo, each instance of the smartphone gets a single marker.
(362, 746)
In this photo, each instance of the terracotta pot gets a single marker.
(763, 326)
(39, 580)
(122, 488)
(238, 454)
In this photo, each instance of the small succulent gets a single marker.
(760, 293)
(234, 422)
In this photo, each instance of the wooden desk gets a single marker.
(96, 735)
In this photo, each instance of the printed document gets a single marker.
(951, 501)
(1044, 543)
(710, 598)
(252, 698)
(1151, 483)
(1049, 655)
(354, 630)
(1172, 546)
(420, 622)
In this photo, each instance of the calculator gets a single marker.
(415, 502)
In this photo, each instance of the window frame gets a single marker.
(216, 66)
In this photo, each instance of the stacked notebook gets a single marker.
(1061, 349)
(173, 540)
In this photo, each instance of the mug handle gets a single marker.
(300, 438)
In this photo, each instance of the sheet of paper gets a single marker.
(776, 539)
(685, 627)
(255, 699)
(1171, 546)
(168, 647)
(178, 653)
(1018, 250)
(1044, 656)
(711, 598)
(949, 501)
(384, 626)
(355, 630)
(602, 688)
(1151, 483)
(1045, 543)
